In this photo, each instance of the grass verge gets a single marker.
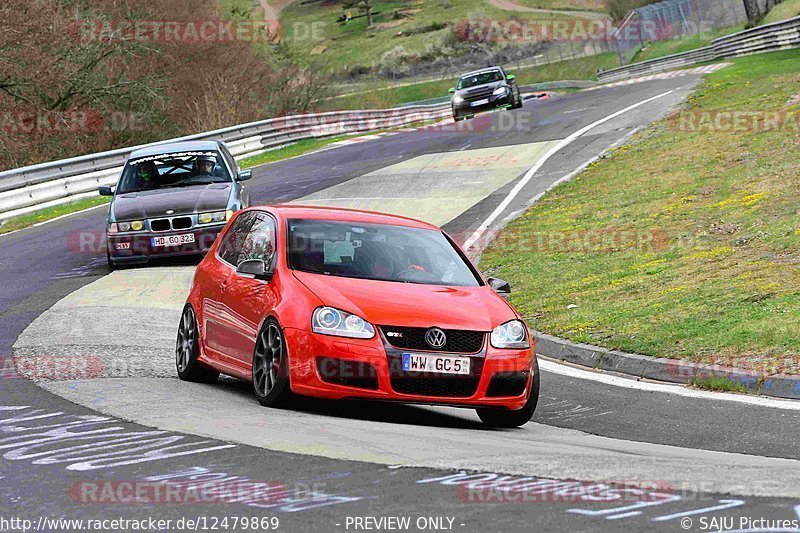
(682, 244)
(718, 385)
(24, 221)
(657, 49)
(785, 10)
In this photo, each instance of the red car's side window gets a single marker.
(260, 240)
(231, 246)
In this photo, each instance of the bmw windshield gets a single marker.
(377, 252)
(181, 169)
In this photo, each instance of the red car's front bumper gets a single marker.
(337, 368)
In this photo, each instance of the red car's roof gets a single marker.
(345, 215)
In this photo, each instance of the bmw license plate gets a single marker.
(441, 364)
(173, 240)
(476, 103)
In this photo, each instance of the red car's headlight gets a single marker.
(331, 321)
(511, 335)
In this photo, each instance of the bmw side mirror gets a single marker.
(106, 191)
(452, 90)
(254, 268)
(245, 175)
(511, 78)
(500, 286)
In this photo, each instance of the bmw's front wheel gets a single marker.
(187, 350)
(271, 366)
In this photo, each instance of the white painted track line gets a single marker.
(677, 390)
(535, 168)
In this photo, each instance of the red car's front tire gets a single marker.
(270, 369)
(187, 350)
(503, 418)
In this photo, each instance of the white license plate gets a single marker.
(173, 240)
(476, 103)
(441, 364)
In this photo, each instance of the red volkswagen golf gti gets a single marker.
(337, 303)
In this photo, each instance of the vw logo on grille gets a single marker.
(435, 338)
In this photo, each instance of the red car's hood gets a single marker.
(409, 304)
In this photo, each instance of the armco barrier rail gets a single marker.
(768, 38)
(30, 188)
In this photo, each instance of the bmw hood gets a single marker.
(409, 304)
(181, 200)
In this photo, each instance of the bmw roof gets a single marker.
(182, 146)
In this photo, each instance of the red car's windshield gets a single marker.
(378, 252)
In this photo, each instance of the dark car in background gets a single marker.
(484, 90)
(173, 199)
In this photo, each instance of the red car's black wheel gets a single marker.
(503, 418)
(187, 350)
(270, 366)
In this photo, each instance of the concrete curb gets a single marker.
(663, 369)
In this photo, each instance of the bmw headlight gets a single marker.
(331, 321)
(457, 99)
(217, 217)
(125, 227)
(500, 91)
(511, 335)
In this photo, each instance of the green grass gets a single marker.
(382, 95)
(718, 385)
(785, 10)
(600, 6)
(657, 49)
(711, 271)
(24, 221)
(421, 28)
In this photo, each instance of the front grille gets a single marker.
(160, 225)
(182, 223)
(347, 373)
(458, 341)
(507, 384)
(479, 93)
(432, 384)
(436, 387)
(166, 224)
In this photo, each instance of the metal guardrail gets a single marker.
(34, 187)
(776, 36)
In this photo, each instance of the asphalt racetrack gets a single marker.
(597, 456)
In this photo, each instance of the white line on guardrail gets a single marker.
(528, 175)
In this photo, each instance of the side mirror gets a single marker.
(500, 286)
(254, 268)
(452, 90)
(105, 191)
(511, 78)
(245, 175)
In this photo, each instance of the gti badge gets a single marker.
(435, 338)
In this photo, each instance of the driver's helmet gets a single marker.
(205, 164)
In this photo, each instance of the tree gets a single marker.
(752, 9)
(366, 5)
